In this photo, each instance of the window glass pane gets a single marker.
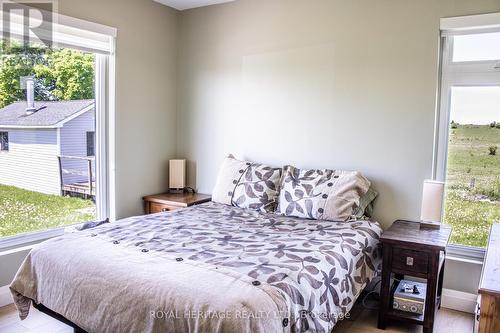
(476, 47)
(90, 143)
(472, 201)
(4, 141)
(46, 179)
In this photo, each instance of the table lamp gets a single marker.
(432, 204)
(177, 176)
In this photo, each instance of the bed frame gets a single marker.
(355, 311)
(42, 308)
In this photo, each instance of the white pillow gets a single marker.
(229, 175)
(247, 185)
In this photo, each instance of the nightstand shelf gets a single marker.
(415, 318)
(410, 317)
(411, 251)
(166, 202)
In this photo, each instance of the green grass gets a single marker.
(473, 184)
(25, 211)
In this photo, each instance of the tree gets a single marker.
(72, 73)
(16, 61)
(60, 74)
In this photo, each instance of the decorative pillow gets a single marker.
(321, 194)
(247, 185)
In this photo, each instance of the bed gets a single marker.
(209, 268)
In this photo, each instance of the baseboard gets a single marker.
(458, 300)
(5, 296)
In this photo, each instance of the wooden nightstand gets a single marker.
(166, 202)
(414, 252)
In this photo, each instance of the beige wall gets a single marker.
(337, 84)
(146, 48)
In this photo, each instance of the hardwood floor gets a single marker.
(36, 322)
(363, 321)
(446, 321)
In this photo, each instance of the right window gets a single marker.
(469, 135)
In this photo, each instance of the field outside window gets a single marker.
(472, 200)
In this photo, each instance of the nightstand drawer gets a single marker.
(167, 202)
(409, 260)
(157, 208)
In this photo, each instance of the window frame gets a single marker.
(2, 142)
(457, 74)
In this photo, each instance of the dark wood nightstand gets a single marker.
(166, 202)
(414, 252)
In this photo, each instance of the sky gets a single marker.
(476, 47)
(475, 105)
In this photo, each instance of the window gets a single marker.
(90, 143)
(4, 141)
(468, 132)
(44, 208)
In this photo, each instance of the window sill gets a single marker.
(12, 242)
(474, 255)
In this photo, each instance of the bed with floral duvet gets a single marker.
(208, 268)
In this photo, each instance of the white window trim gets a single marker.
(104, 146)
(470, 23)
(111, 130)
(454, 74)
(66, 32)
(105, 76)
(465, 253)
(26, 238)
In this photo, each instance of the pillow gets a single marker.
(365, 207)
(90, 224)
(247, 185)
(229, 175)
(321, 194)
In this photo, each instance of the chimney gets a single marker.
(30, 96)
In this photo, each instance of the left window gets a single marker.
(53, 113)
(4, 141)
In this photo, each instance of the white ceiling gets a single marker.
(186, 4)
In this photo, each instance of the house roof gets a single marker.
(48, 114)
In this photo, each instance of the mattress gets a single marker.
(207, 268)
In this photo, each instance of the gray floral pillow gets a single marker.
(321, 194)
(258, 188)
(247, 185)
